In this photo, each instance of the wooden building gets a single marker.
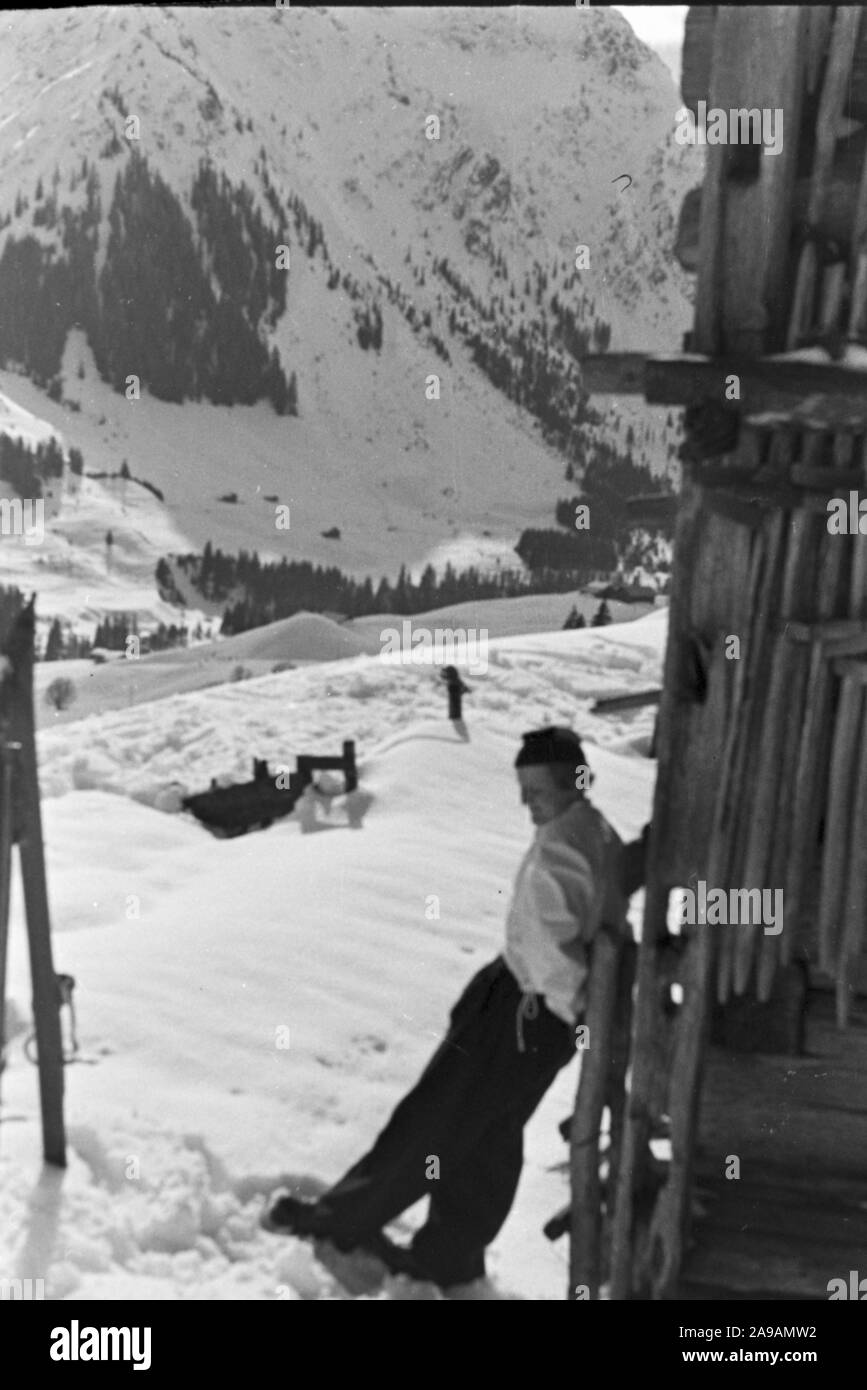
(762, 735)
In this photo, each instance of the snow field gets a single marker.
(198, 960)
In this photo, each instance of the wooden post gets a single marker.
(742, 291)
(8, 760)
(585, 1248)
(621, 1035)
(633, 1146)
(616, 1093)
(18, 684)
(670, 1216)
(349, 770)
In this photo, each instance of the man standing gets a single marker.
(456, 688)
(511, 1031)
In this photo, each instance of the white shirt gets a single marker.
(566, 885)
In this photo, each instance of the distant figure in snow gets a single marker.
(510, 1032)
(456, 688)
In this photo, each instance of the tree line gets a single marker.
(259, 592)
(62, 644)
(601, 618)
(25, 467)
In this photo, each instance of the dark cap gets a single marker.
(551, 745)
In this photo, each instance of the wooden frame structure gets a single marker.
(762, 773)
(21, 824)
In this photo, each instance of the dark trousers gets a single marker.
(468, 1111)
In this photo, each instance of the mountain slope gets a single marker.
(462, 248)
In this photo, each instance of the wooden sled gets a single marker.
(230, 811)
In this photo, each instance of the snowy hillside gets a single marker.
(464, 246)
(191, 955)
(189, 738)
(297, 641)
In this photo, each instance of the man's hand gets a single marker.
(634, 863)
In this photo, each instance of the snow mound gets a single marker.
(303, 637)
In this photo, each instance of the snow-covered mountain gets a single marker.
(154, 160)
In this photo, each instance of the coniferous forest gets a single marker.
(25, 468)
(11, 603)
(608, 479)
(181, 307)
(258, 592)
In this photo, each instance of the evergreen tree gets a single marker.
(54, 643)
(575, 619)
(278, 390)
(292, 396)
(602, 616)
(376, 328)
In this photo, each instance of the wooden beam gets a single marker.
(848, 668)
(609, 703)
(652, 507)
(614, 373)
(827, 631)
(765, 383)
(825, 480)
